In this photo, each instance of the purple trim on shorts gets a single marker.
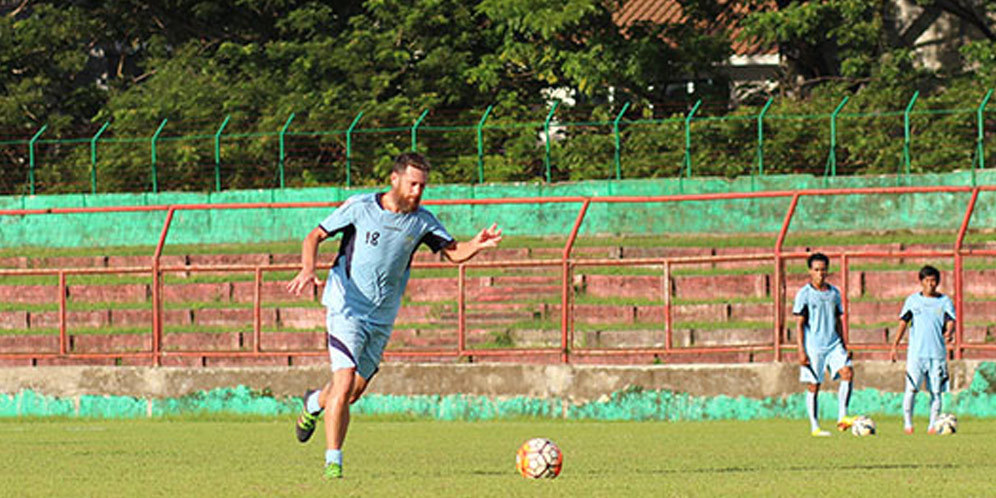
(916, 388)
(336, 343)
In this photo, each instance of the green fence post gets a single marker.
(615, 132)
(831, 167)
(415, 130)
(760, 136)
(546, 131)
(217, 154)
(31, 157)
(906, 133)
(155, 173)
(480, 144)
(93, 157)
(980, 150)
(688, 138)
(349, 149)
(283, 131)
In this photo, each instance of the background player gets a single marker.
(380, 233)
(821, 342)
(933, 317)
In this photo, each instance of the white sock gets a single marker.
(908, 400)
(333, 456)
(311, 404)
(935, 407)
(843, 399)
(811, 409)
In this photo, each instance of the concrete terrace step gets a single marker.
(414, 338)
(295, 317)
(493, 317)
(609, 251)
(183, 341)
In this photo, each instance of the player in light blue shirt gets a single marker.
(821, 343)
(380, 234)
(930, 316)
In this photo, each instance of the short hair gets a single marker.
(929, 271)
(817, 256)
(413, 159)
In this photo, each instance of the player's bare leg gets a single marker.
(844, 398)
(336, 404)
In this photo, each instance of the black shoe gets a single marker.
(306, 422)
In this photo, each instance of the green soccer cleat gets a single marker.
(332, 471)
(306, 422)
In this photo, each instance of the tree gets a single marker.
(848, 40)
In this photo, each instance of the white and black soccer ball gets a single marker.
(539, 458)
(863, 426)
(946, 424)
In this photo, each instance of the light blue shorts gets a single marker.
(933, 371)
(833, 359)
(356, 343)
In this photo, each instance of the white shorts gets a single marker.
(933, 371)
(354, 343)
(834, 359)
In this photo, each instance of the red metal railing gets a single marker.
(567, 266)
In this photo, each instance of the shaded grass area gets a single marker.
(237, 456)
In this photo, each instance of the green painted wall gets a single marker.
(979, 400)
(917, 211)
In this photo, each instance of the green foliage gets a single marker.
(74, 66)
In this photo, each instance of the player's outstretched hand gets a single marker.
(301, 281)
(893, 354)
(489, 237)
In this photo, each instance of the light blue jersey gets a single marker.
(821, 309)
(375, 254)
(928, 315)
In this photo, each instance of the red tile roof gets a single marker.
(670, 11)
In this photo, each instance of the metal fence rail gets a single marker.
(475, 147)
(566, 352)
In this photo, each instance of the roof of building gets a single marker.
(670, 11)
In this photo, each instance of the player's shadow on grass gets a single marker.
(488, 473)
(747, 470)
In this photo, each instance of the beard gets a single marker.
(407, 205)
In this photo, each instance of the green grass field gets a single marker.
(231, 456)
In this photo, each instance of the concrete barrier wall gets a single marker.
(577, 383)
(908, 212)
(481, 392)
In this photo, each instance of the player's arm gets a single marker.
(949, 327)
(800, 334)
(309, 254)
(458, 252)
(949, 320)
(801, 313)
(903, 324)
(838, 322)
(839, 325)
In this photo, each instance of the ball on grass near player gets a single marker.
(946, 424)
(863, 426)
(538, 458)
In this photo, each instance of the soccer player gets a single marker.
(821, 343)
(380, 233)
(933, 317)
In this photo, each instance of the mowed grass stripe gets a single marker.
(229, 456)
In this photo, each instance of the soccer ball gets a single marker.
(539, 457)
(946, 424)
(863, 426)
